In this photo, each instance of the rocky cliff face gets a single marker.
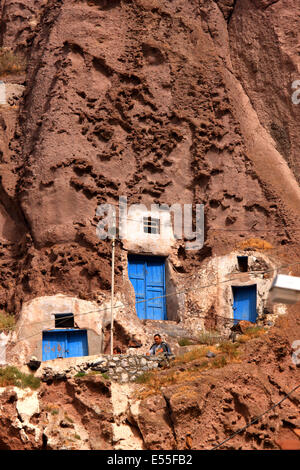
(264, 46)
(186, 98)
(193, 409)
(160, 101)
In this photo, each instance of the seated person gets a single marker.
(159, 346)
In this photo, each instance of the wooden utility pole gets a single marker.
(112, 297)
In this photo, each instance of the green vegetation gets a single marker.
(11, 62)
(153, 381)
(144, 378)
(10, 375)
(80, 374)
(185, 342)
(92, 372)
(7, 322)
(77, 436)
(219, 362)
(67, 417)
(189, 367)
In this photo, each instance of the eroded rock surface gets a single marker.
(164, 102)
(90, 412)
(166, 92)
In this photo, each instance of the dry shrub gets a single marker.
(11, 62)
(185, 342)
(219, 362)
(209, 337)
(195, 362)
(154, 381)
(188, 392)
(230, 349)
(144, 378)
(282, 322)
(51, 407)
(255, 243)
(7, 322)
(94, 372)
(195, 353)
(242, 339)
(251, 333)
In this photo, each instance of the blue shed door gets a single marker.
(64, 343)
(77, 343)
(147, 275)
(244, 303)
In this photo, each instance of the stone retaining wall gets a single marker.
(121, 368)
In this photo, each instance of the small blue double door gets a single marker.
(147, 275)
(244, 303)
(64, 343)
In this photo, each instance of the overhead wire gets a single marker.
(253, 420)
(173, 293)
(252, 229)
(209, 228)
(162, 296)
(256, 419)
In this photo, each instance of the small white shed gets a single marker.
(285, 289)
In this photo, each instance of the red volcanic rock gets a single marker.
(199, 412)
(242, 326)
(163, 102)
(116, 105)
(264, 52)
(289, 444)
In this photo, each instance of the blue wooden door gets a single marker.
(147, 275)
(244, 303)
(54, 344)
(77, 343)
(137, 276)
(64, 343)
(155, 289)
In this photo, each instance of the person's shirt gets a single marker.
(162, 345)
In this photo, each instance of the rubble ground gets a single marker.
(200, 399)
(164, 102)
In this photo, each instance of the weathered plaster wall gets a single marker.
(2, 93)
(10, 92)
(211, 296)
(137, 241)
(4, 338)
(38, 315)
(195, 303)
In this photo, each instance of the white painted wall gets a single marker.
(2, 93)
(135, 239)
(3, 342)
(38, 315)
